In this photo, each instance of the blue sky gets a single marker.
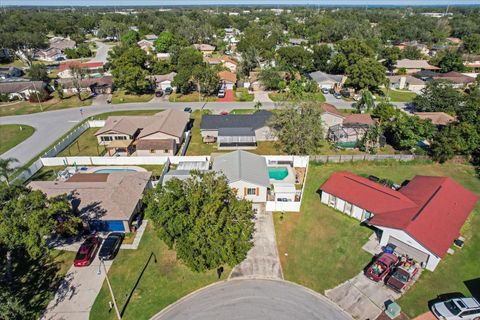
(237, 2)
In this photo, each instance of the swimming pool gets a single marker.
(114, 170)
(279, 173)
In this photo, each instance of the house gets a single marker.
(21, 90)
(330, 117)
(162, 81)
(151, 37)
(351, 131)
(50, 54)
(237, 130)
(247, 174)
(102, 85)
(406, 82)
(472, 61)
(439, 119)
(145, 45)
(297, 41)
(91, 68)
(62, 43)
(165, 132)
(457, 79)
(254, 82)
(413, 66)
(224, 60)
(228, 79)
(206, 49)
(109, 202)
(163, 55)
(327, 81)
(421, 219)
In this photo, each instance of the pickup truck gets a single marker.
(382, 266)
(402, 276)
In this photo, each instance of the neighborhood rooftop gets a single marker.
(256, 120)
(111, 196)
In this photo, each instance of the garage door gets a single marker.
(404, 248)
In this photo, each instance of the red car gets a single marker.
(402, 276)
(381, 266)
(86, 252)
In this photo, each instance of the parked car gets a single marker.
(337, 95)
(221, 93)
(223, 113)
(87, 250)
(346, 93)
(325, 90)
(110, 246)
(373, 178)
(168, 91)
(382, 266)
(159, 94)
(402, 276)
(188, 109)
(457, 309)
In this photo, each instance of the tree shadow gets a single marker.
(152, 255)
(473, 286)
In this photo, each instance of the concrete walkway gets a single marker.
(361, 297)
(77, 293)
(262, 260)
(138, 237)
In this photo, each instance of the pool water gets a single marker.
(277, 173)
(114, 170)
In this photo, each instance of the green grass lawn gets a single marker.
(55, 103)
(104, 116)
(85, 145)
(121, 96)
(281, 97)
(15, 63)
(191, 97)
(13, 134)
(196, 147)
(242, 111)
(162, 283)
(399, 95)
(324, 246)
(241, 94)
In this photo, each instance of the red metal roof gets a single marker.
(86, 65)
(431, 210)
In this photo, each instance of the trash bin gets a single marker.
(393, 310)
(388, 249)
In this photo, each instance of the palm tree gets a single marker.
(6, 169)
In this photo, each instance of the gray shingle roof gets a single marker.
(319, 76)
(244, 166)
(255, 121)
(236, 132)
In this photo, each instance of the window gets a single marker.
(251, 191)
(165, 151)
(367, 215)
(348, 208)
(120, 138)
(106, 138)
(332, 201)
(152, 150)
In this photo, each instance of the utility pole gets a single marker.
(111, 291)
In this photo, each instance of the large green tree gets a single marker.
(203, 219)
(438, 96)
(130, 70)
(164, 41)
(450, 61)
(366, 74)
(471, 43)
(298, 128)
(296, 58)
(270, 78)
(38, 72)
(321, 56)
(404, 132)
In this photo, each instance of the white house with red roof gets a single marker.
(90, 68)
(421, 219)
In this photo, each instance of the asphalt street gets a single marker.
(101, 53)
(253, 299)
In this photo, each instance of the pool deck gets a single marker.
(94, 169)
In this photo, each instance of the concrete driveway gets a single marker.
(261, 96)
(361, 297)
(253, 299)
(262, 260)
(77, 293)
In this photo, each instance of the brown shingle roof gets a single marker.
(455, 77)
(113, 199)
(360, 118)
(18, 86)
(84, 83)
(227, 76)
(326, 107)
(438, 118)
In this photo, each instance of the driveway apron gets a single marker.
(262, 260)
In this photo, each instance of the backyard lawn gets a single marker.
(85, 145)
(121, 96)
(151, 284)
(192, 97)
(104, 116)
(13, 134)
(196, 147)
(399, 95)
(55, 103)
(321, 248)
